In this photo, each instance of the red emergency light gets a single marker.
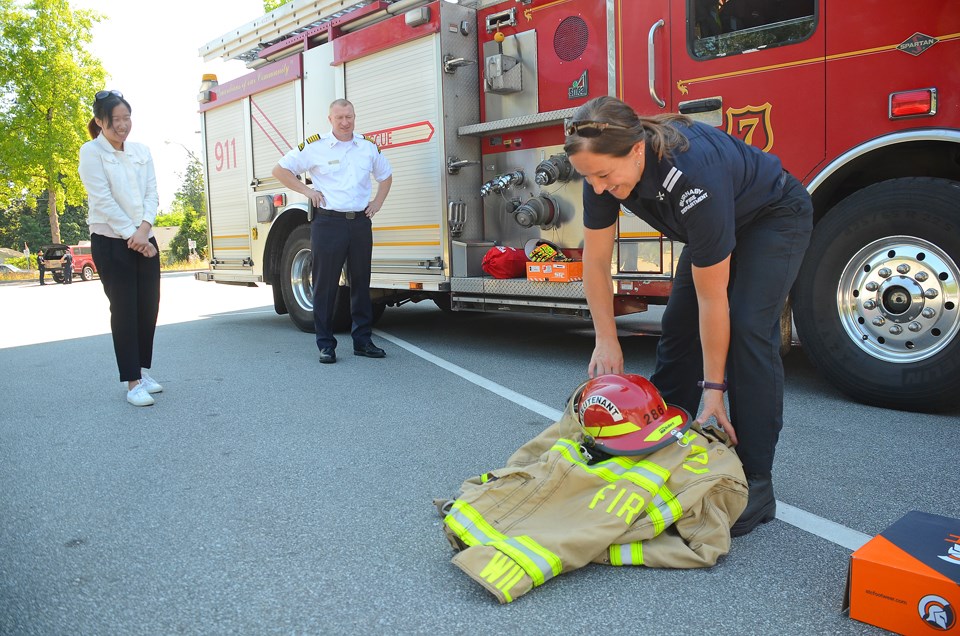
(279, 200)
(918, 103)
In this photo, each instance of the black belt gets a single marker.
(342, 215)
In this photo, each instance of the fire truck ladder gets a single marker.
(303, 18)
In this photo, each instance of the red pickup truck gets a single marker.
(83, 265)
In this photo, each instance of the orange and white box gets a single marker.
(907, 578)
(567, 272)
(539, 272)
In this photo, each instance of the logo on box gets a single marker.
(937, 612)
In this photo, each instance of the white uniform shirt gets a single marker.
(340, 170)
(121, 187)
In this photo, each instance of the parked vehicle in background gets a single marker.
(468, 101)
(83, 265)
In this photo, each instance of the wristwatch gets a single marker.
(716, 386)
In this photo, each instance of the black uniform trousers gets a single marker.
(764, 264)
(333, 241)
(131, 282)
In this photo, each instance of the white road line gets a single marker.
(824, 528)
(537, 407)
(809, 522)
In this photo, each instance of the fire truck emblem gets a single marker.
(752, 125)
(917, 43)
(579, 88)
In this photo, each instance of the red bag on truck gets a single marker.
(505, 262)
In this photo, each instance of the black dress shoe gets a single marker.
(328, 355)
(761, 505)
(369, 350)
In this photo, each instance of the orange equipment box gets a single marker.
(907, 578)
(555, 271)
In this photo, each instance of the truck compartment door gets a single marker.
(396, 96)
(228, 182)
(273, 129)
(755, 69)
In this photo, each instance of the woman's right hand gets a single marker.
(607, 358)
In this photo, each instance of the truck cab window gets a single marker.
(718, 28)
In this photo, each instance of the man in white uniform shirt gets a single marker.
(340, 164)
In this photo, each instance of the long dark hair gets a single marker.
(618, 142)
(103, 110)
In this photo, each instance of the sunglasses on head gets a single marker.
(587, 128)
(105, 94)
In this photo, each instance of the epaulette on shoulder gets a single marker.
(373, 141)
(309, 140)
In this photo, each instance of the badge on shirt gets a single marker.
(691, 198)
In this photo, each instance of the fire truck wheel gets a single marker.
(877, 301)
(296, 278)
(86, 273)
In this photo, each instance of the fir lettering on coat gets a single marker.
(628, 509)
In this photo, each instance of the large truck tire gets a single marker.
(876, 301)
(296, 278)
(296, 281)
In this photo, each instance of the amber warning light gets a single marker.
(920, 103)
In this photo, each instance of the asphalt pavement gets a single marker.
(266, 493)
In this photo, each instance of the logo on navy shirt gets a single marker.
(690, 198)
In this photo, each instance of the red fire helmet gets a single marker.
(624, 414)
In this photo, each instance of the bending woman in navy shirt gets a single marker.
(746, 224)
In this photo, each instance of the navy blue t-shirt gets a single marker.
(701, 196)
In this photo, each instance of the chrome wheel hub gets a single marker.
(898, 298)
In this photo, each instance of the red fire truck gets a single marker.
(861, 101)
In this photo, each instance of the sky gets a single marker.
(150, 53)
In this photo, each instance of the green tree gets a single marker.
(190, 194)
(47, 80)
(270, 5)
(190, 202)
(193, 227)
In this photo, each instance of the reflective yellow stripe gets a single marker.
(470, 526)
(626, 553)
(664, 428)
(614, 430)
(642, 473)
(404, 228)
(403, 243)
(664, 510)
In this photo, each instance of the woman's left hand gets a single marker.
(713, 406)
(140, 240)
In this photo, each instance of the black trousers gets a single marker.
(764, 264)
(42, 272)
(333, 241)
(131, 282)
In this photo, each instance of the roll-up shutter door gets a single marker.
(228, 183)
(398, 91)
(273, 127)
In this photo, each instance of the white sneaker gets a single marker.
(138, 395)
(151, 385)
